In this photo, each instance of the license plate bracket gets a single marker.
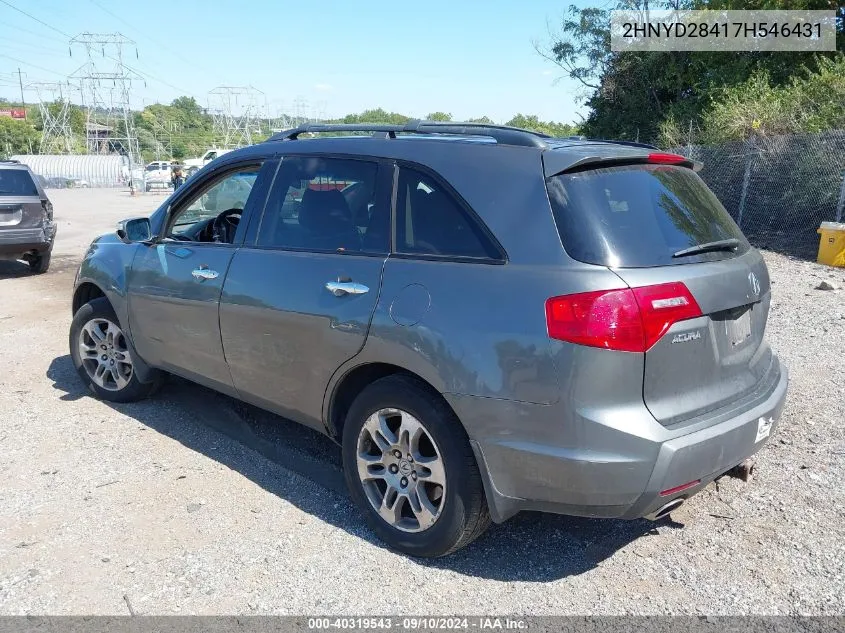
(739, 330)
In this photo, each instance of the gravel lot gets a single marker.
(191, 503)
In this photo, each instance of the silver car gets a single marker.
(27, 229)
(486, 319)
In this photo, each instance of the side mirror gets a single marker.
(134, 230)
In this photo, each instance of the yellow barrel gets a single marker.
(832, 244)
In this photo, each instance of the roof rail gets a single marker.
(502, 134)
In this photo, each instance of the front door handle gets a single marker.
(204, 273)
(340, 288)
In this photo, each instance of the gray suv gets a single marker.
(486, 319)
(27, 230)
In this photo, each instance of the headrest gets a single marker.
(321, 210)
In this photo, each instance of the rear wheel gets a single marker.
(102, 355)
(409, 467)
(39, 264)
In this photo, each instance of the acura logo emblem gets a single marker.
(755, 284)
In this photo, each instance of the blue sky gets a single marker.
(467, 57)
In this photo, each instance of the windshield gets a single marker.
(17, 182)
(639, 216)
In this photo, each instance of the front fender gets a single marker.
(106, 265)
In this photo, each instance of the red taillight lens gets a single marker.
(663, 305)
(607, 318)
(626, 320)
(666, 159)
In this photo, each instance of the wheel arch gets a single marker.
(348, 385)
(85, 292)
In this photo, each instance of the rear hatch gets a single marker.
(703, 291)
(20, 202)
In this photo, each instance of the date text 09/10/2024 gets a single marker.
(418, 623)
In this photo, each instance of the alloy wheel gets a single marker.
(104, 354)
(401, 470)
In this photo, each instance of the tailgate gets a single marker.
(708, 362)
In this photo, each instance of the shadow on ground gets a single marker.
(531, 547)
(13, 268)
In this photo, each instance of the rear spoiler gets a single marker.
(555, 163)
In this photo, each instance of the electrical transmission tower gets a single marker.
(237, 113)
(54, 106)
(106, 85)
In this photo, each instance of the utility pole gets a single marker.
(23, 101)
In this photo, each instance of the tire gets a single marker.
(118, 381)
(449, 516)
(40, 263)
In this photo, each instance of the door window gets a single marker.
(326, 204)
(430, 221)
(213, 211)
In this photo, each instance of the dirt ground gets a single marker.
(193, 503)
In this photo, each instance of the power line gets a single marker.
(41, 35)
(29, 15)
(132, 26)
(26, 63)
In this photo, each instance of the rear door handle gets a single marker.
(204, 273)
(340, 288)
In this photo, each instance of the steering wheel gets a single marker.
(225, 225)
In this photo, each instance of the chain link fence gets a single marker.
(778, 189)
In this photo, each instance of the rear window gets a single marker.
(16, 182)
(637, 216)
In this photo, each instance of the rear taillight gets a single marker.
(626, 320)
(47, 207)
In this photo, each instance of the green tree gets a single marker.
(377, 115)
(657, 95)
(552, 128)
(17, 137)
(438, 116)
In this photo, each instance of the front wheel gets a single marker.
(102, 355)
(409, 467)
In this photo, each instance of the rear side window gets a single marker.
(16, 182)
(639, 215)
(430, 221)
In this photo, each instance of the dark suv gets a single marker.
(27, 230)
(488, 320)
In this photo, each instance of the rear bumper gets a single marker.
(20, 241)
(602, 468)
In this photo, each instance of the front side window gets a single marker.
(326, 204)
(214, 210)
(430, 221)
